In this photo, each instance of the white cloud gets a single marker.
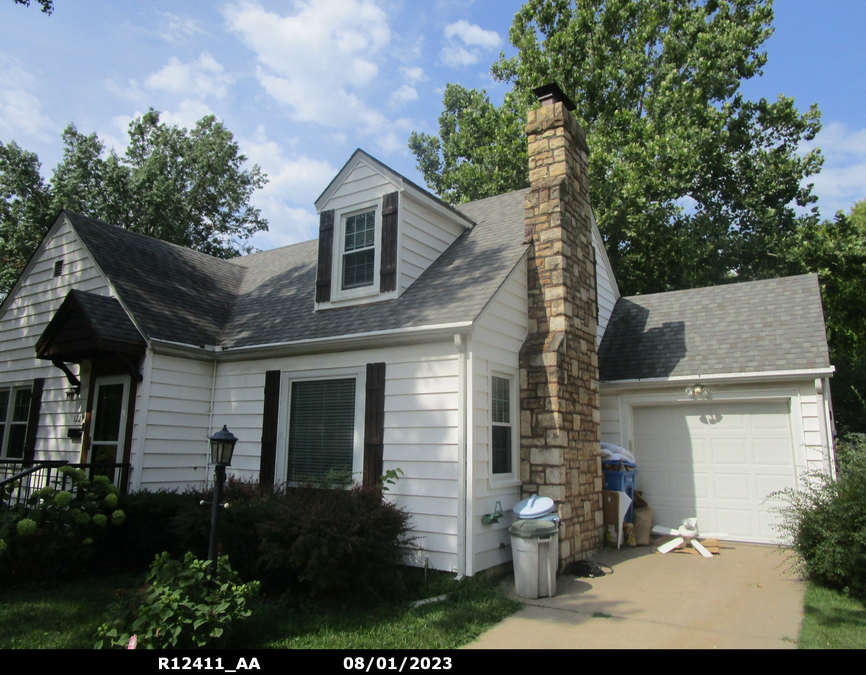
(20, 107)
(201, 78)
(473, 35)
(842, 180)
(475, 42)
(413, 75)
(293, 185)
(132, 92)
(174, 28)
(187, 114)
(321, 60)
(403, 95)
(300, 179)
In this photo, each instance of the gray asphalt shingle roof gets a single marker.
(108, 317)
(758, 326)
(183, 296)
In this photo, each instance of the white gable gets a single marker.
(605, 282)
(425, 229)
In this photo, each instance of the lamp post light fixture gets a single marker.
(222, 445)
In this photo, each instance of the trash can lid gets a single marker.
(533, 529)
(534, 507)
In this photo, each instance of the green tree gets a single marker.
(836, 251)
(691, 183)
(47, 5)
(25, 211)
(186, 187)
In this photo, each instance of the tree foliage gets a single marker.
(836, 251)
(46, 5)
(186, 187)
(691, 183)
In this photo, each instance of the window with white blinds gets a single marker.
(321, 430)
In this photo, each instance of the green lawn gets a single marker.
(832, 620)
(67, 618)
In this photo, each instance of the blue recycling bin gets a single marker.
(621, 476)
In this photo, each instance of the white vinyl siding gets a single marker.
(607, 289)
(176, 446)
(420, 439)
(28, 313)
(495, 345)
(424, 235)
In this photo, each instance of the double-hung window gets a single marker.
(359, 250)
(503, 428)
(14, 413)
(324, 427)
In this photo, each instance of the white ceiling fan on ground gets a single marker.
(687, 534)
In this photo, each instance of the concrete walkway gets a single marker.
(742, 598)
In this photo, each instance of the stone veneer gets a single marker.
(560, 454)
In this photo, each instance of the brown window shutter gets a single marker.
(33, 420)
(374, 424)
(326, 250)
(270, 413)
(388, 273)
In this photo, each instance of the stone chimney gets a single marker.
(560, 454)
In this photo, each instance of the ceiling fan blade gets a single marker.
(701, 549)
(671, 545)
(658, 529)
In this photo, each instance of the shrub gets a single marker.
(183, 606)
(146, 532)
(52, 534)
(346, 542)
(825, 521)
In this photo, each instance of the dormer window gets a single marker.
(359, 250)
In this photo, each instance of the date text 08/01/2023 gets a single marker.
(360, 663)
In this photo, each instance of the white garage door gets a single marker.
(718, 462)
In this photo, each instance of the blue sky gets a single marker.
(303, 83)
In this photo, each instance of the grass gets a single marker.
(63, 617)
(832, 620)
(67, 618)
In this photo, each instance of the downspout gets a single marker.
(830, 425)
(210, 428)
(460, 343)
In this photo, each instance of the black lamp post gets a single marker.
(222, 445)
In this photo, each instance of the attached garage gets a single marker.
(717, 461)
(722, 394)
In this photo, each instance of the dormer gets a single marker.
(378, 232)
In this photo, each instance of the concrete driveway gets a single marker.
(742, 598)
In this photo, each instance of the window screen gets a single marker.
(321, 430)
(360, 247)
(500, 404)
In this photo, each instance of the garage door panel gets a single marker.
(738, 523)
(732, 486)
(716, 461)
(730, 451)
(773, 452)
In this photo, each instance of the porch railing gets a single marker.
(18, 481)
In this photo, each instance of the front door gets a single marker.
(108, 425)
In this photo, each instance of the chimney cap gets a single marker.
(551, 93)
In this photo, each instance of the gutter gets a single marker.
(805, 374)
(388, 338)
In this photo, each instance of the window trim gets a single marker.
(339, 293)
(359, 373)
(512, 477)
(12, 388)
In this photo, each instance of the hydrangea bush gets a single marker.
(182, 606)
(52, 534)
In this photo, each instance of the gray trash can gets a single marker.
(535, 548)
